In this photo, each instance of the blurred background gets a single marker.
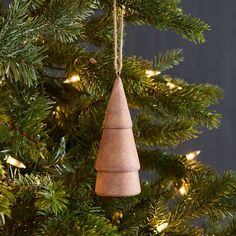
(213, 62)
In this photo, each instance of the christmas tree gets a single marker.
(56, 67)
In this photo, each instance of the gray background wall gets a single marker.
(213, 62)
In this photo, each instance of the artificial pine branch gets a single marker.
(166, 15)
(169, 59)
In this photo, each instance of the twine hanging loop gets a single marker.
(118, 44)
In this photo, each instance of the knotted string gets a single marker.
(118, 53)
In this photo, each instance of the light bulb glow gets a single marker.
(151, 73)
(183, 190)
(14, 162)
(192, 155)
(161, 227)
(72, 79)
(173, 86)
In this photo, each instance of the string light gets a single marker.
(1, 80)
(42, 156)
(151, 73)
(56, 113)
(161, 227)
(173, 86)
(183, 190)
(192, 155)
(72, 79)
(117, 217)
(37, 181)
(14, 162)
(92, 60)
(3, 218)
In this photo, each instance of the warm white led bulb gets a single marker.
(183, 190)
(72, 79)
(14, 162)
(150, 73)
(173, 86)
(192, 155)
(161, 227)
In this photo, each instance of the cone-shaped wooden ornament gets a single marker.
(117, 162)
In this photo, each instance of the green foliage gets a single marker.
(211, 194)
(150, 132)
(19, 57)
(51, 197)
(190, 103)
(166, 15)
(59, 25)
(229, 229)
(169, 59)
(66, 225)
(159, 213)
(6, 197)
(214, 196)
(54, 127)
(27, 185)
(170, 165)
(96, 225)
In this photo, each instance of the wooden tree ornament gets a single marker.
(117, 162)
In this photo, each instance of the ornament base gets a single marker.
(117, 184)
